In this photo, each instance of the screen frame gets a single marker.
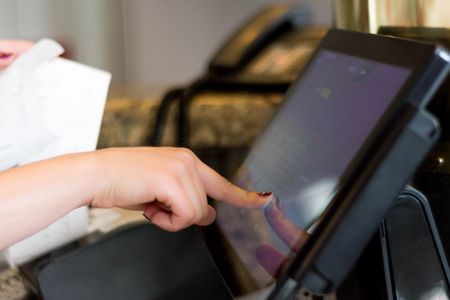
(364, 174)
(394, 51)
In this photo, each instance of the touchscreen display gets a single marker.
(302, 155)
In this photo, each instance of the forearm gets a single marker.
(36, 195)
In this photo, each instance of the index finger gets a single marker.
(219, 188)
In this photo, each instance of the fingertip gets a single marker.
(211, 214)
(160, 218)
(150, 211)
(266, 198)
(260, 199)
(147, 217)
(209, 218)
(247, 199)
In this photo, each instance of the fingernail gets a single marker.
(148, 218)
(264, 194)
(268, 196)
(4, 55)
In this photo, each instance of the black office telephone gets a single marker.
(238, 65)
(256, 34)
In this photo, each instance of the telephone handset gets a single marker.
(256, 34)
(227, 70)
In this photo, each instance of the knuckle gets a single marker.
(178, 166)
(169, 181)
(186, 155)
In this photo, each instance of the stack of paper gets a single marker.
(49, 106)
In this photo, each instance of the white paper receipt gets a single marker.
(49, 106)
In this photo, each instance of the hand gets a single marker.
(10, 49)
(271, 259)
(169, 184)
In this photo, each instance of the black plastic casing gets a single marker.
(415, 264)
(392, 153)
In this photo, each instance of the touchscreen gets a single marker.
(302, 155)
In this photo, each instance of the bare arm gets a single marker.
(169, 184)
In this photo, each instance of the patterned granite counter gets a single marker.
(217, 120)
(12, 286)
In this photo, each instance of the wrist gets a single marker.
(100, 175)
(87, 175)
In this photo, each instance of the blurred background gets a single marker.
(155, 44)
(145, 44)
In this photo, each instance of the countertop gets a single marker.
(217, 120)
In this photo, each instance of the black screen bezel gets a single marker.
(398, 52)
